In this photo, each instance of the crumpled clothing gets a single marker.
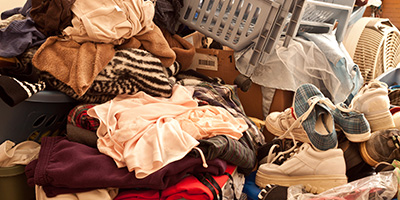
(103, 194)
(167, 14)
(110, 21)
(51, 17)
(76, 65)
(21, 154)
(145, 133)
(60, 160)
(19, 35)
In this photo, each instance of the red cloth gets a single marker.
(188, 188)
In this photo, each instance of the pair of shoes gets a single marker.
(374, 102)
(383, 146)
(316, 170)
(312, 119)
(308, 120)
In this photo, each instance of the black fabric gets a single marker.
(204, 181)
(167, 14)
(20, 71)
(273, 192)
(14, 92)
(215, 184)
(191, 74)
(228, 149)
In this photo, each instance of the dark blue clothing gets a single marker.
(19, 35)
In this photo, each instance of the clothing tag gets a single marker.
(118, 8)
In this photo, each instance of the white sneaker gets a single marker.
(374, 102)
(278, 123)
(316, 170)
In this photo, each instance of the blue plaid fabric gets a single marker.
(301, 105)
(354, 124)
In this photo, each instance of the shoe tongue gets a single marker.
(321, 109)
(302, 96)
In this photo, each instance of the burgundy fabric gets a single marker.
(64, 166)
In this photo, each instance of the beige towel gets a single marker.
(77, 65)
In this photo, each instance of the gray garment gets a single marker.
(236, 152)
(167, 14)
(81, 135)
(19, 35)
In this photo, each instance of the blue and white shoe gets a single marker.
(315, 116)
(353, 124)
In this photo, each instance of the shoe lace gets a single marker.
(396, 141)
(281, 155)
(395, 163)
(372, 84)
(287, 115)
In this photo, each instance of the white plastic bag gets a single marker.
(380, 186)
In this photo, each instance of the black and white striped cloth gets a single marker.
(14, 91)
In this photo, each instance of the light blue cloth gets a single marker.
(342, 64)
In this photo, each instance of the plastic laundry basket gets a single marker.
(373, 43)
(233, 23)
(44, 113)
(238, 23)
(13, 184)
(322, 15)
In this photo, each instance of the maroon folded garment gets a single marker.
(64, 166)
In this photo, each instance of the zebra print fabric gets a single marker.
(130, 71)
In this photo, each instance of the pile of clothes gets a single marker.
(144, 127)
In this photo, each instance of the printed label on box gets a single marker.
(205, 61)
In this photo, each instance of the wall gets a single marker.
(9, 4)
(391, 10)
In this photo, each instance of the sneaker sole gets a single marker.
(357, 137)
(312, 183)
(300, 137)
(364, 154)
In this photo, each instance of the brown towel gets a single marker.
(154, 42)
(183, 49)
(77, 65)
(51, 17)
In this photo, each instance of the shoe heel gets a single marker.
(381, 121)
